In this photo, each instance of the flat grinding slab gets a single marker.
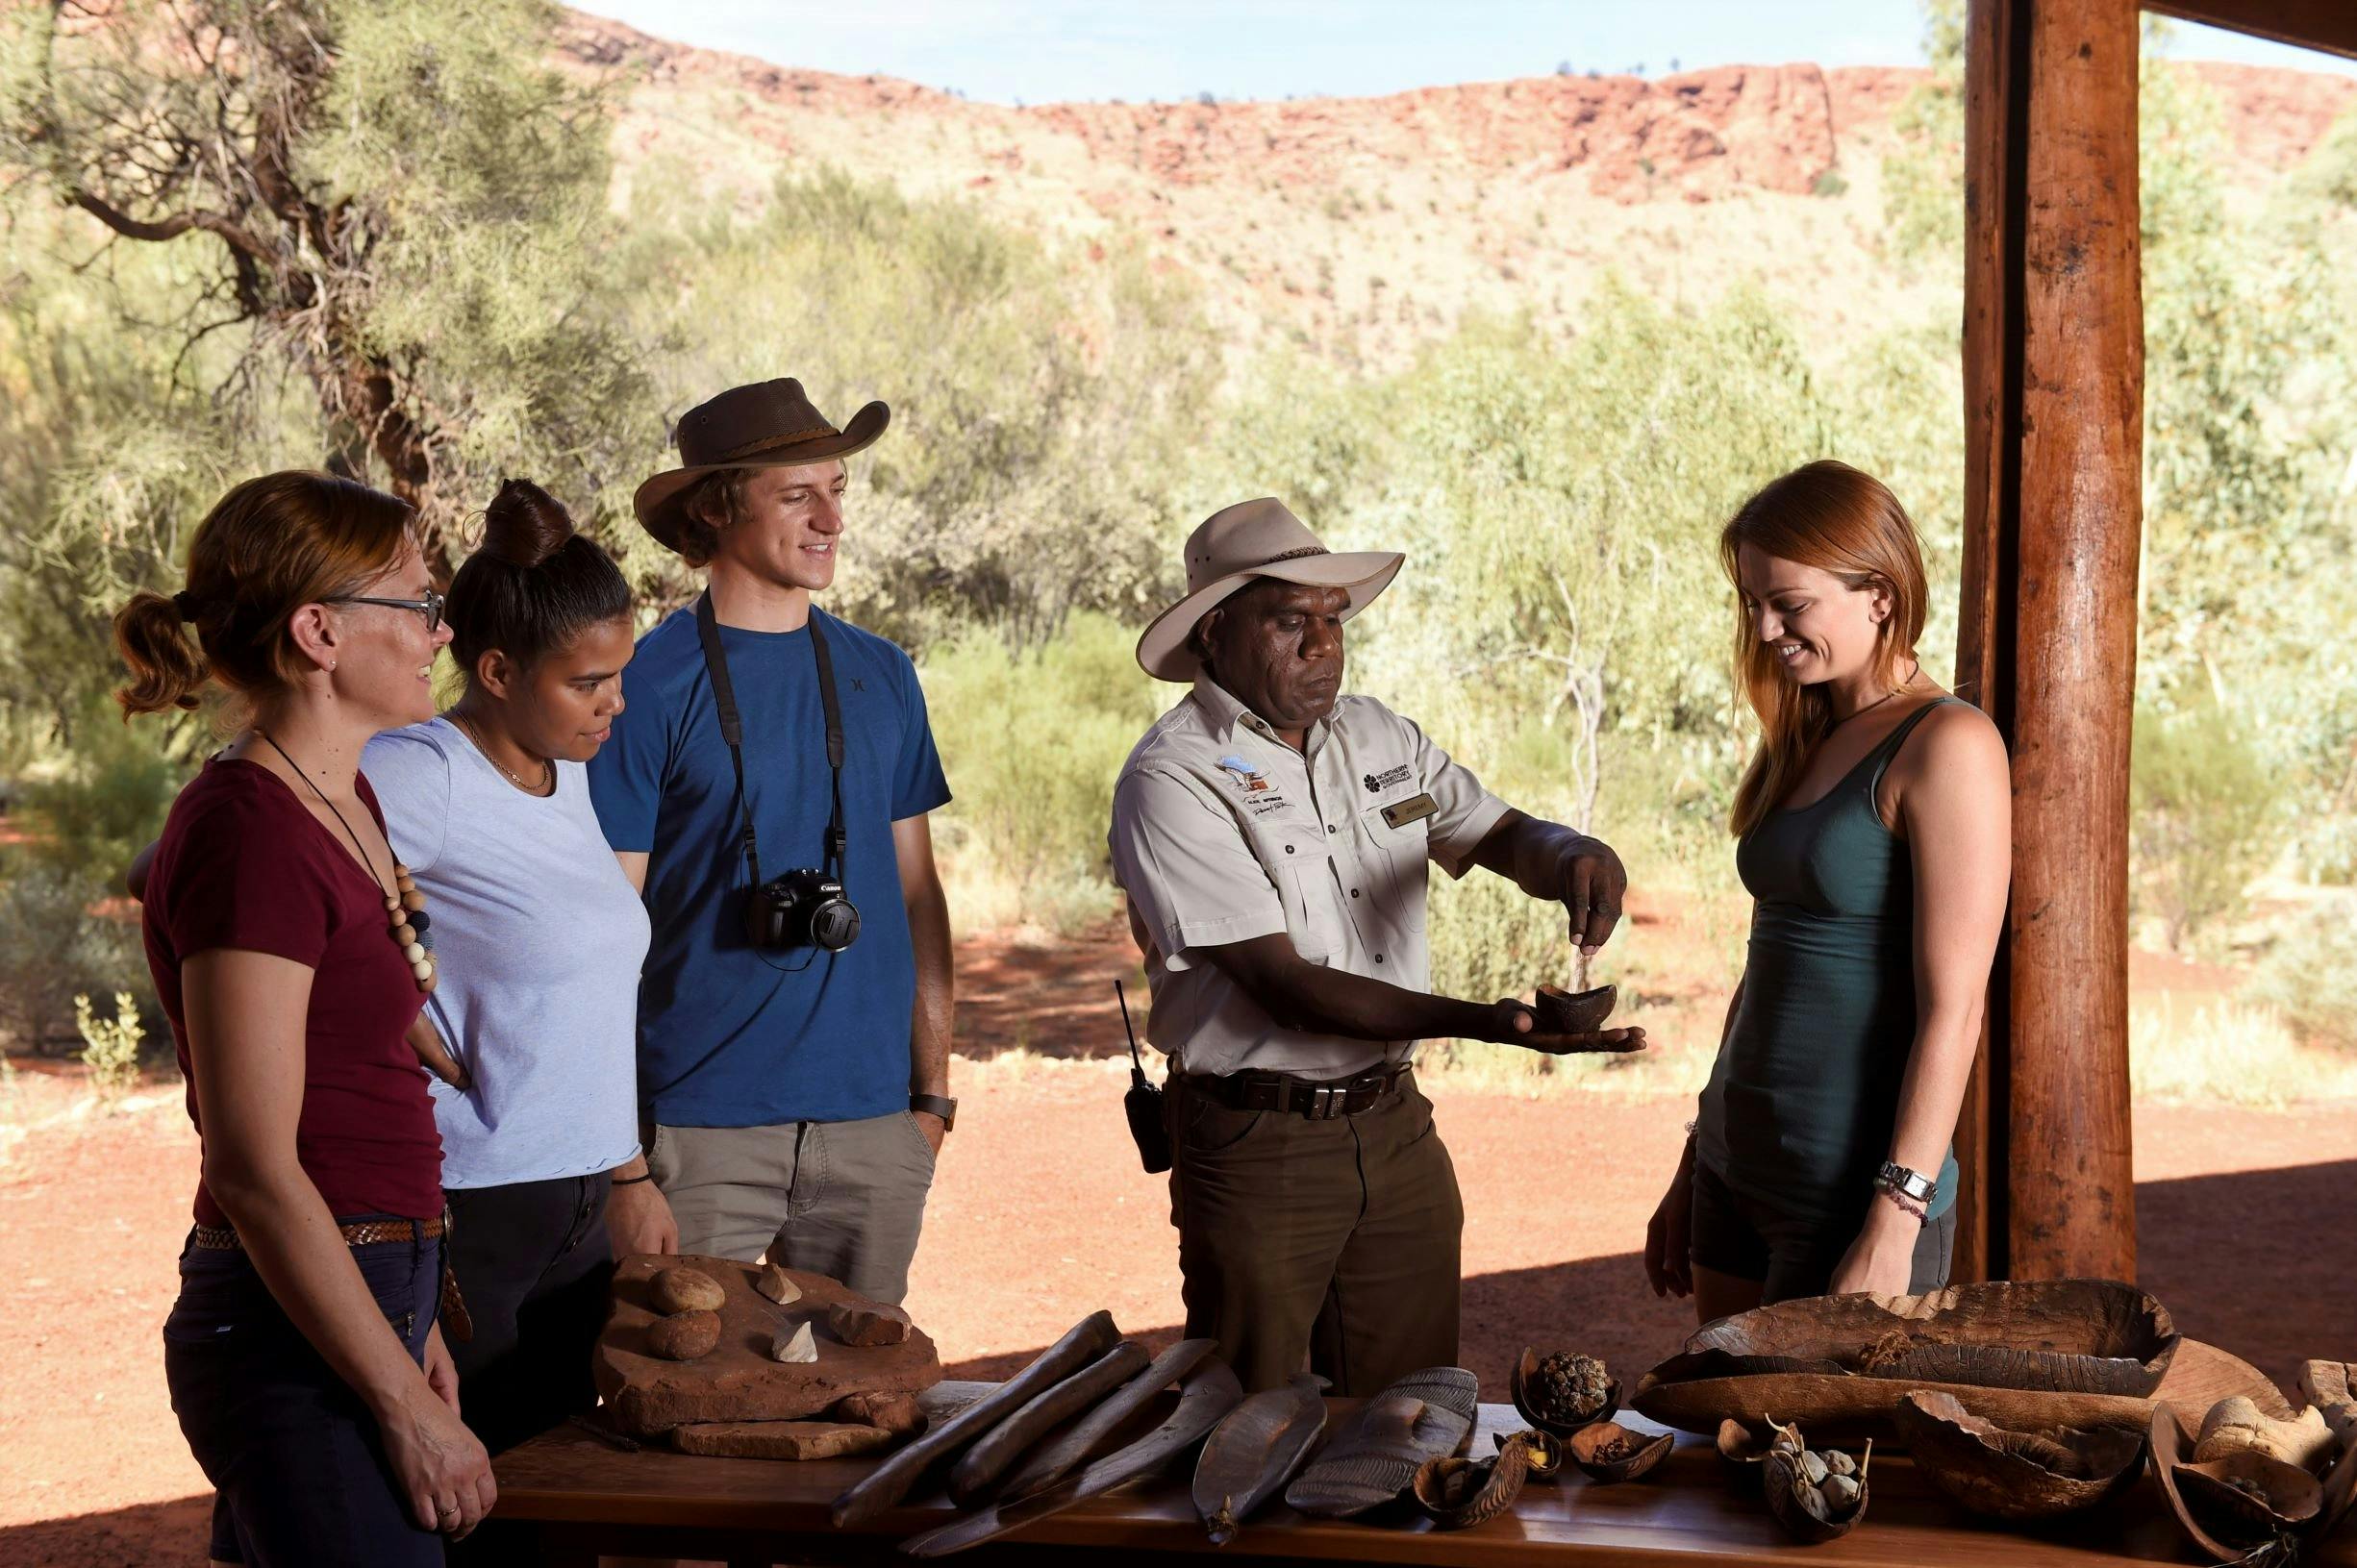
(738, 1382)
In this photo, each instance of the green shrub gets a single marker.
(110, 1047)
(2311, 974)
(59, 945)
(2202, 818)
(90, 815)
(1032, 743)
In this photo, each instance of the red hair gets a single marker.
(1828, 515)
(268, 547)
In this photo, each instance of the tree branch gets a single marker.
(170, 228)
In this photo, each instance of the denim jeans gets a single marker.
(292, 1452)
(534, 1268)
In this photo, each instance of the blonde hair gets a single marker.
(1828, 515)
(269, 546)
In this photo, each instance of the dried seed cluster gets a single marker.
(1571, 1387)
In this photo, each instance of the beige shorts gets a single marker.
(841, 1199)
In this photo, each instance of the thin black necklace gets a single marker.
(369, 865)
(1879, 701)
(404, 907)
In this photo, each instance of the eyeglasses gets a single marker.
(430, 607)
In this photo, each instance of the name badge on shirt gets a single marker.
(1415, 808)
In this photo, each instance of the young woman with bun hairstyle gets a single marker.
(304, 1353)
(1873, 832)
(532, 1026)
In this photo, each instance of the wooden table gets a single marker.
(567, 1497)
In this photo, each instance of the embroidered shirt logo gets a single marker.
(1377, 783)
(1249, 778)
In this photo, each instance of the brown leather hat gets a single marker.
(769, 424)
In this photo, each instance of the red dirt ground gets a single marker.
(1041, 1214)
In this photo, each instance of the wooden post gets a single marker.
(2054, 393)
(1983, 634)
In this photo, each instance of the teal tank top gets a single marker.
(1802, 1099)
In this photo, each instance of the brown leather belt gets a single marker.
(358, 1233)
(1318, 1100)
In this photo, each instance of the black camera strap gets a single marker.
(732, 731)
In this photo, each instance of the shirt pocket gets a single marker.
(1304, 872)
(1399, 861)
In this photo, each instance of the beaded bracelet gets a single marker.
(1922, 1216)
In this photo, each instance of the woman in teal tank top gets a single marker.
(1873, 833)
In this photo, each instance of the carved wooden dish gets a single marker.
(1458, 1494)
(2090, 1336)
(2224, 1522)
(1546, 1451)
(1574, 1013)
(2013, 1475)
(1526, 1368)
(2199, 1377)
(1610, 1452)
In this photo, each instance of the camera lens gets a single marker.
(833, 925)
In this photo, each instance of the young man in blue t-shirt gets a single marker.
(794, 1090)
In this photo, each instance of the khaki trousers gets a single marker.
(1331, 1242)
(841, 1199)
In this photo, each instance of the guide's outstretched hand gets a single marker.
(1519, 1025)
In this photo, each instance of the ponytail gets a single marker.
(268, 547)
(167, 668)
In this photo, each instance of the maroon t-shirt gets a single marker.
(242, 864)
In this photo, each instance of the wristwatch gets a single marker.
(937, 1105)
(1906, 1183)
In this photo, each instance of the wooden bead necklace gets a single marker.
(405, 906)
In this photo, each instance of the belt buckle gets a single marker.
(1325, 1101)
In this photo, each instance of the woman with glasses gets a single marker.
(538, 937)
(306, 1363)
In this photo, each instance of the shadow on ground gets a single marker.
(150, 1535)
(2256, 1263)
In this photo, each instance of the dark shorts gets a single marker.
(1791, 1257)
(292, 1452)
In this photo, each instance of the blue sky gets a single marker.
(1041, 50)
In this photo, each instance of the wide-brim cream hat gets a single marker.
(1243, 543)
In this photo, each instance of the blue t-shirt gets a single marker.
(731, 1035)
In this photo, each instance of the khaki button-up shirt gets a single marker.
(1222, 833)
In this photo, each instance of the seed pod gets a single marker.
(1787, 1440)
(1838, 1463)
(1807, 1513)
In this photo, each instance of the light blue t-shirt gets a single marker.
(539, 940)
